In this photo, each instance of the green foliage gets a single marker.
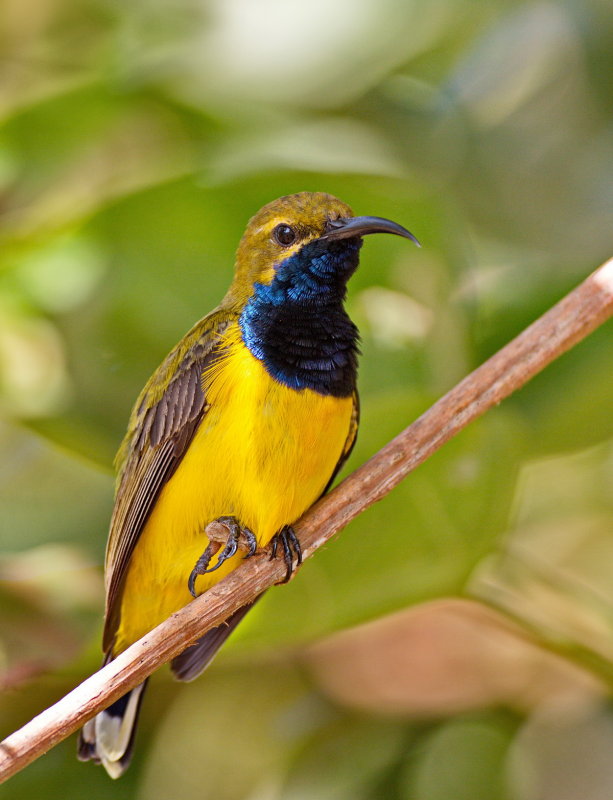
(137, 140)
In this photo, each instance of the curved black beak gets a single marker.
(360, 226)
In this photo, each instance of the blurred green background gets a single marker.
(456, 641)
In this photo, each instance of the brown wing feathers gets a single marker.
(160, 435)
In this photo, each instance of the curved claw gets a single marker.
(228, 551)
(200, 568)
(251, 541)
(295, 543)
(291, 545)
(191, 583)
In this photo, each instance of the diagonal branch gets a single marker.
(567, 323)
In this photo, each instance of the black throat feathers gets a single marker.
(297, 326)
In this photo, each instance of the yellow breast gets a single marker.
(262, 453)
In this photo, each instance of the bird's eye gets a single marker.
(284, 235)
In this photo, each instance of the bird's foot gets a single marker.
(290, 545)
(226, 532)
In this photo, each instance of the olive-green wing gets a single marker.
(162, 424)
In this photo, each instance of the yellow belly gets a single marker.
(263, 453)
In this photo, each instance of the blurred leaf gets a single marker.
(442, 658)
(233, 760)
(227, 63)
(47, 495)
(552, 570)
(562, 753)
(347, 759)
(463, 759)
(333, 145)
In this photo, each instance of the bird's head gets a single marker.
(302, 241)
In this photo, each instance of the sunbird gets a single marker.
(246, 423)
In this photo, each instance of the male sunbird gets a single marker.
(245, 423)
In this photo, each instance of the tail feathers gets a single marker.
(192, 661)
(108, 738)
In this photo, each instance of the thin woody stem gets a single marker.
(568, 322)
